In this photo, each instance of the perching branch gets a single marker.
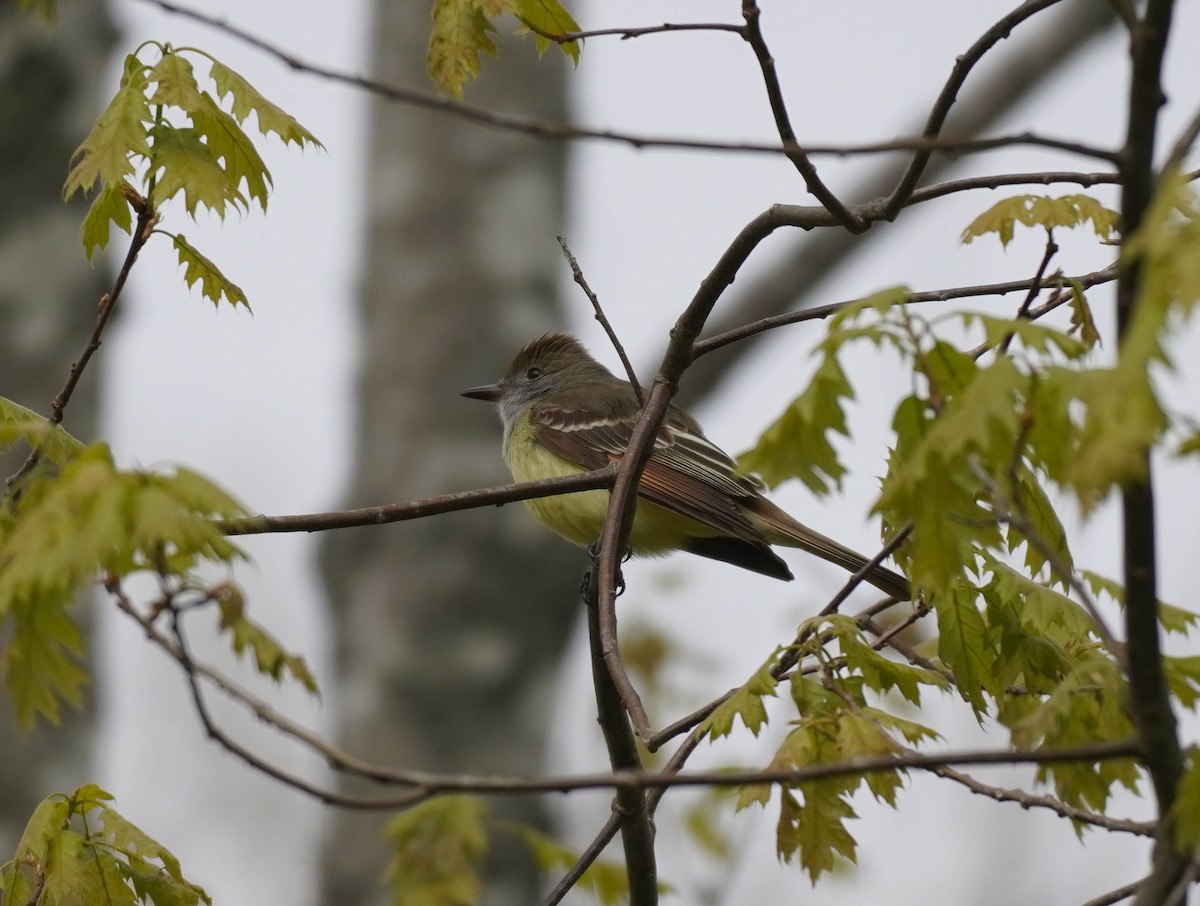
(419, 509)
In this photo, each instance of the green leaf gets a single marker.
(247, 100)
(461, 32)
(1122, 420)
(1170, 617)
(176, 84)
(880, 303)
(88, 520)
(437, 847)
(109, 206)
(214, 284)
(797, 444)
(1087, 707)
(116, 864)
(119, 134)
(1081, 316)
(152, 869)
(549, 16)
(47, 9)
(962, 645)
(239, 158)
(42, 660)
(1043, 610)
(1048, 213)
(20, 424)
(1030, 500)
(1183, 678)
(879, 673)
(815, 832)
(184, 163)
(745, 702)
(1189, 446)
(270, 658)
(1032, 334)
(33, 849)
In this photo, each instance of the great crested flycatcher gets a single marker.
(565, 413)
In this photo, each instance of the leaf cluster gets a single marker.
(981, 438)
(78, 520)
(836, 723)
(1067, 211)
(163, 133)
(463, 29)
(79, 849)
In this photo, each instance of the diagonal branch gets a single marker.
(795, 278)
(783, 125)
(949, 94)
(107, 305)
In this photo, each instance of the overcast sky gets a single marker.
(261, 403)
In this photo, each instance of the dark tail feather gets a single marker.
(758, 558)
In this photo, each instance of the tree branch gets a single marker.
(104, 310)
(637, 832)
(949, 94)
(783, 125)
(419, 509)
(562, 131)
(1150, 698)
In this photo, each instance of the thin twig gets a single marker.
(1035, 287)
(783, 125)
(577, 274)
(949, 94)
(857, 579)
(1115, 896)
(713, 343)
(1050, 803)
(570, 37)
(104, 312)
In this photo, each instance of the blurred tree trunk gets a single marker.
(449, 630)
(49, 78)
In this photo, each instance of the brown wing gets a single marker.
(686, 473)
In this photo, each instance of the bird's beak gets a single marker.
(490, 393)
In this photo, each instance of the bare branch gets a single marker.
(632, 32)
(419, 509)
(1115, 896)
(1086, 281)
(104, 310)
(949, 94)
(783, 125)
(577, 274)
(562, 131)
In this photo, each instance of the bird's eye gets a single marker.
(533, 372)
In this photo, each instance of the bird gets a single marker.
(564, 413)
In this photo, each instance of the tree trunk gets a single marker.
(449, 630)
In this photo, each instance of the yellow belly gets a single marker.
(579, 517)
